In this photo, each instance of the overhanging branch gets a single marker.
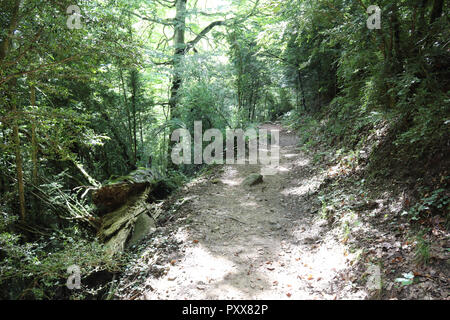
(203, 33)
(166, 22)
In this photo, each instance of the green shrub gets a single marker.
(38, 270)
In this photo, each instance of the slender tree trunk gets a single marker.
(34, 146)
(130, 135)
(4, 50)
(117, 137)
(6, 42)
(436, 12)
(266, 113)
(421, 25)
(240, 82)
(134, 85)
(397, 52)
(141, 130)
(300, 82)
(16, 141)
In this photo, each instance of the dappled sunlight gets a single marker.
(302, 162)
(224, 290)
(298, 191)
(257, 242)
(207, 266)
(231, 182)
(197, 269)
(323, 264)
(249, 203)
(231, 177)
(304, 186)
(283, 169)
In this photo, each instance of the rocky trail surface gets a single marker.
(230, 241)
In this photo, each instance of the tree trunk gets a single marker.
(180, 46)
(300, 82)
(6, 42)
(16, 141)
(130, 135)
(436, 12)
(34, 146)
(122, 146)
(134, 89)
(397, 52)
(4, 49)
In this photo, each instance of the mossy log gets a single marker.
(253, 179)
(129, 210)
(115, 192)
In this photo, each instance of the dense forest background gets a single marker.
(83, 106)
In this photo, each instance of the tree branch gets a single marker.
(41, 67)
(165, 63)
(25, 51)
(166, 3)
(166, 22)
(203, 33)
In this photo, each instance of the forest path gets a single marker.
(260, 242)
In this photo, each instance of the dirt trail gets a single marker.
(260, 242)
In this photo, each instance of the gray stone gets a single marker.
(276, 227)
(143, 226)
(253, 179)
